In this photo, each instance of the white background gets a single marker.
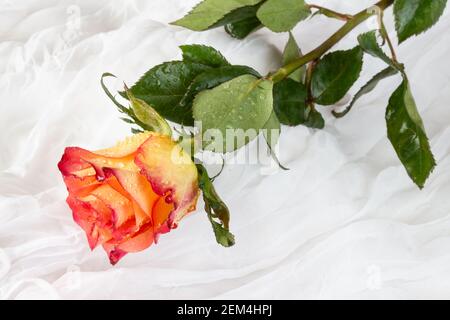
(344, 222)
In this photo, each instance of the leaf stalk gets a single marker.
(331, 13)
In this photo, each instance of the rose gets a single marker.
(126, 196)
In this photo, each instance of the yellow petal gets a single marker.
(125, 147)
(171, 172)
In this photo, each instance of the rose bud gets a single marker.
(126, 196)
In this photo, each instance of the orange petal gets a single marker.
(84, 216)
(161, 216)
(80, 186)
(104, 214)
(140, 190)
(138, 242)
(122, 207)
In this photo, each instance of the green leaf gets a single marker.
(223, 236)
(289, 103)
(413, 17)
(218, 213)
(203, 55)
(241, 22)
(367, 88)
(242, 105)
(209, 12)
(241, 29)
(237, 15)
(283, 15)
(407, 134)
(368, 42)
(165, 85)
(291, 53)
(313, 118)
(212, 78)
(335, 74)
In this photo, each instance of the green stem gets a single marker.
(386, 37)
(330, 42)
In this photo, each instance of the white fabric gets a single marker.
(344, 222)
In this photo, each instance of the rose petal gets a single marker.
(161, 216)
(126, 147)
(122, 207)
(114, 253)
(171, 173)
(139, 242)
(139, 188)
(81, 186)
(84, 216)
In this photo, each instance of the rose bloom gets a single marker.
(126, 196)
